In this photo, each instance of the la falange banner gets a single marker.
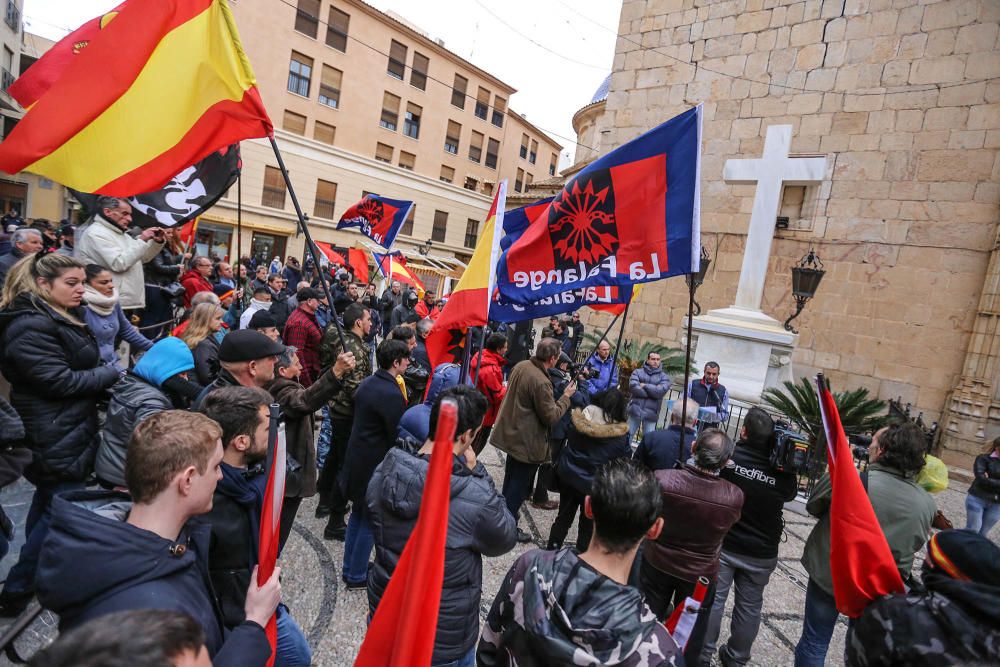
(628, 218)
(378, 218)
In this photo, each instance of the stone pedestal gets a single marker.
(752, 349)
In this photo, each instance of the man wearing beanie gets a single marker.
(247, 359)
(953, 619)
(264, 322)
(303, 332)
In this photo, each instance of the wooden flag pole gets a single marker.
(309, 242)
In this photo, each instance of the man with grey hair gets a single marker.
(23, 242)
(106, 242)
(390, 298)
(665, 448)
(699, 508)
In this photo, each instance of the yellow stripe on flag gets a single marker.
(195, 66)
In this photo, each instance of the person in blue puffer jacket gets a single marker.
(157, 383)
(415, 423)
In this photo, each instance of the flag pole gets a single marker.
(479, 360)
(309, 242)
(466, 357)
(621, 335)
(687, 354)
(239, 234)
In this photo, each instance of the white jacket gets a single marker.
(105, 244)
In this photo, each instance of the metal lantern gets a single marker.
(806, 276)
(694, 280)
(425, 248)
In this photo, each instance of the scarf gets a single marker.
(97, 302)
(246, 487)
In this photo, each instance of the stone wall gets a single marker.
(903, 97)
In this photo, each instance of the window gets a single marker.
(476, 147)
(528, 180)
(407, 160)
(471, 233)
(336, 29)
(552, 165)
(326, 195)
(299, 73)
(407, 227)
(274, 188)
(458, 91)
(294, 122)
(13, 17)
(323, 132)
(411, 122)
(471, 183)
(499, 107)
(451, 139)
(534, 152)
(383, 153)
(329, 86)
(447, 174)
(307, 17)
(390, 111)
(492, 148)
(440, 226)
(418, 74)
(488, 189)
(397, 60)
(519, 181)
(482, 103)
(524, 145)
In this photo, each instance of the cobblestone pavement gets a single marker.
(333, 618)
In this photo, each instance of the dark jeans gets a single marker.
(570, 502)
(517, 478)
(289, 508)
(817, 627)
(22, 576)
(358, 545)
(664, 592)
(329, 489)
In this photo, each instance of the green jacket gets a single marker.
(904, 512)
(342, 404)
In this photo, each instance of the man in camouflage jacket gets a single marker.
(357, 325)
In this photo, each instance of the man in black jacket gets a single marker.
(378, 407)
(107, 552)
(750, 550)
(243, 415)
(478, 524)
(390, 298)
(665, 448)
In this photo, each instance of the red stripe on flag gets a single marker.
(403, 629)
(270, 517)
(223, 123)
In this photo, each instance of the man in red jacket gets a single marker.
(491, 383)
(428, 307)
(196, 279)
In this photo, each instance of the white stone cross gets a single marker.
(771, 173)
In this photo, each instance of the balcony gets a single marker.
(13, 19)
(6, 80)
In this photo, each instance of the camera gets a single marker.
(583, 372)
(859, 446)
(790, 449)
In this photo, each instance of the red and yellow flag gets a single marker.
(160, 87)
(393, 267)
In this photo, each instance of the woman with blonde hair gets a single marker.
(200, 337)
(53, 364)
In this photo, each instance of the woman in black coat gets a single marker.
(53, 364)
(160, 271)
(597, 434)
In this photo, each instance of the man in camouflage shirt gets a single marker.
(953, 620)
(558, 608)
(357, 325)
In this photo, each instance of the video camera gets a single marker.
(583, 372)
(789, 450)
(859, 446)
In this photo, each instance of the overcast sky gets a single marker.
(555, 76)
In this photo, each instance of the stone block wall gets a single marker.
(903, 97)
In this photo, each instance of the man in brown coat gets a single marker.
(298, 404)
(522, 427)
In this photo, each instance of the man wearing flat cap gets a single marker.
(247, 359)
(303, 332)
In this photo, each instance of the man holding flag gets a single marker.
(854, 554)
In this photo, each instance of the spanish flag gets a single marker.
(160, 87)
(469, 303)
(393, 266)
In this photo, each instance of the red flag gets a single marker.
(330, 253)
(861, 562)
(359, 260)
(402, 632)
(270, 517)
(37, 79)
(186, 234)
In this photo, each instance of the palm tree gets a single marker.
(859, 413)
(632, 356)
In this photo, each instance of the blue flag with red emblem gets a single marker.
(515, 223)
(628, 218)
(378, 218)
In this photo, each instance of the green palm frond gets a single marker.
(859, 412)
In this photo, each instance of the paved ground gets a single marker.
(334, 618)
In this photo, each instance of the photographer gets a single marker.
(604, 373)
(750, 549)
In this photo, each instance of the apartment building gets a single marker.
(362, 101)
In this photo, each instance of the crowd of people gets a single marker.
(141, 378)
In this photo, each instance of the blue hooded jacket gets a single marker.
(165, 359)
(416, 422)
